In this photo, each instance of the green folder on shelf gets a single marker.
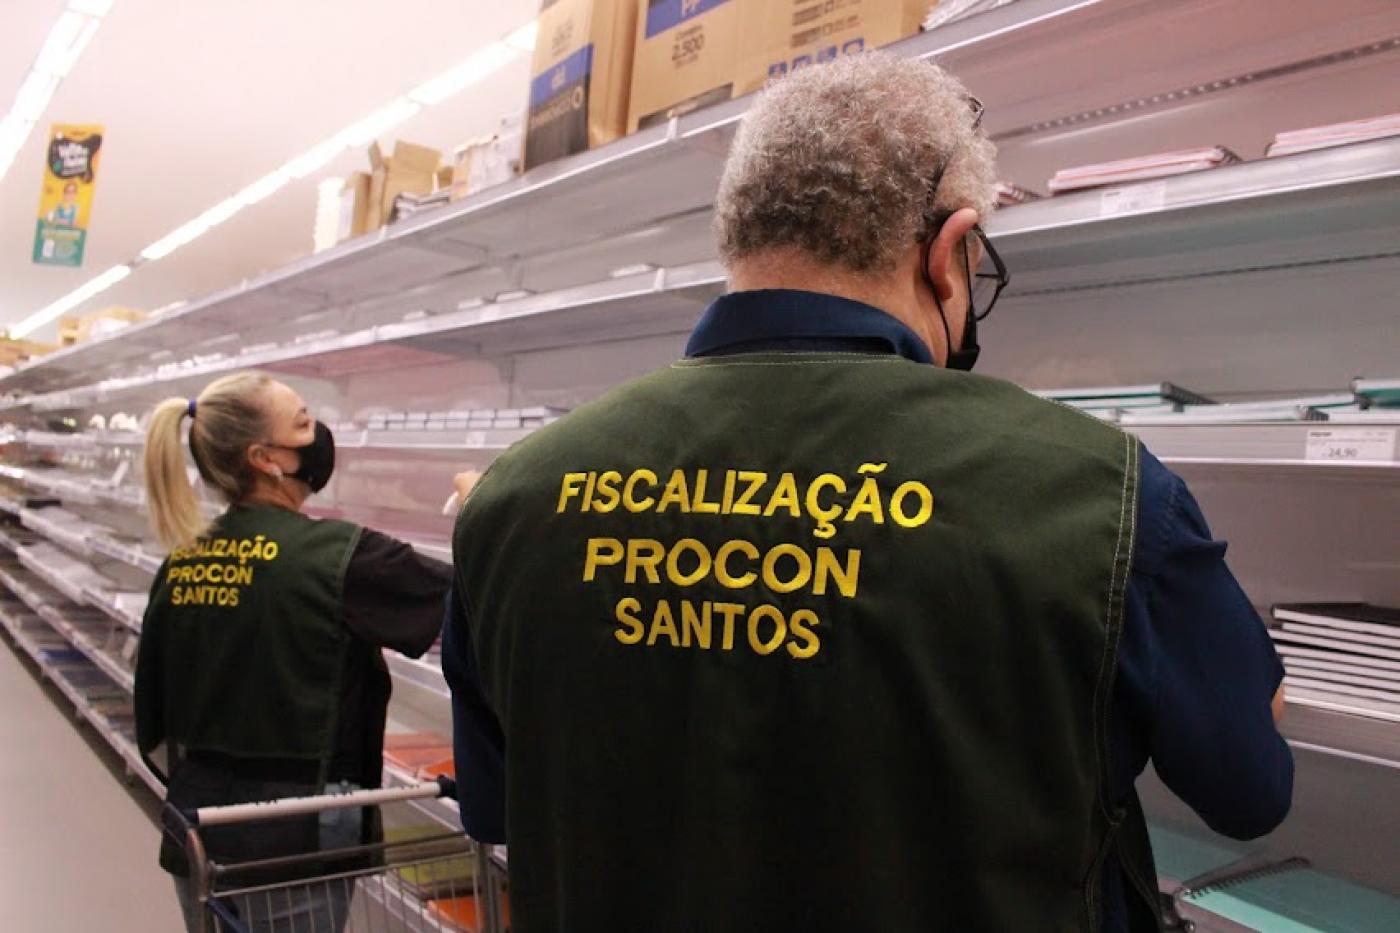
(1306, 901)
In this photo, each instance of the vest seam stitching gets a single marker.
(1107, 662)
(684, 364)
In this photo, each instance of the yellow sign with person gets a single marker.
(65, 201)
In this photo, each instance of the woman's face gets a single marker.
(289, 424)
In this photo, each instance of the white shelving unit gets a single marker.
(1270, 277)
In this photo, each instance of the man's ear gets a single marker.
(944, 262)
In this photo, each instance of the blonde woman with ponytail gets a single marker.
(260, 671)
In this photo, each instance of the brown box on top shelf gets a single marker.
(693, 53)
(579, 77)
(69, 332)
(782, 36)
(13, 352)
(687, 57)
(354, 206)
(412, 169)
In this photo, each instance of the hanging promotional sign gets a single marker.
(65, 201)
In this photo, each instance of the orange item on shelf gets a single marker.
(443, 768)
(411, 759)
(397, 740)
(462, 912)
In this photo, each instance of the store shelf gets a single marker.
(441, 810)
(580, 218)
(61, 527)
(1290, 447)
(419, 673)
(1250, 215)
(1240, 216)
(133, 555)
(120, 743)
(121, 676)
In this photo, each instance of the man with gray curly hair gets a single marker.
(814, 631)
(863, 179)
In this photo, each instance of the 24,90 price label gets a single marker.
(1343, 445)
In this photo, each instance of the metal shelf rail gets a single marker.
(124, 747)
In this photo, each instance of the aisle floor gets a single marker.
(77, 846)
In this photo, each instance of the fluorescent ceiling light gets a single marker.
(34, 96)
(54, 58)
(67, 38)
(70, 301)
(264, 187)
(313, 159)
(381, 121)
(13, 133)
(525, 37)
(485, 61)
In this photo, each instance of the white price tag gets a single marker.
(1342, 445)
(1137, 199)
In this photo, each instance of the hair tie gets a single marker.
(192, 407)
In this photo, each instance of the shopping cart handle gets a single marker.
(301, 806)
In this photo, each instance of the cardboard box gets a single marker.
(580, 76)
(783, 36)
(692, 53)
(354, 206)
(412, 169)
(487, 161)
(687, 56)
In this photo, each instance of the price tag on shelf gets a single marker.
(1343, 445)
(1135, 199)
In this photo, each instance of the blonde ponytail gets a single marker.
(227, 418)
(175, 513)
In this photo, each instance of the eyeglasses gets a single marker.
(991, 277)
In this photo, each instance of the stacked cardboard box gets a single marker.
(367, 200)
(691, 53)
(579, 77)
(13, 352)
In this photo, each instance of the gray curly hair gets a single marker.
(837, 161)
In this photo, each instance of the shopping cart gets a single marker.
(425, 883)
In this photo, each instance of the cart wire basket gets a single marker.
(424, 883)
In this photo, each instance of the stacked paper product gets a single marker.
(1335, 134)
(476, 419)
(406, 204)
(1382, 393)
(1344, 654)
(1142, 168)
(1009, 194)
(1111, 403)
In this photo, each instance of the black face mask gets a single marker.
(965, 357)
(317, 459)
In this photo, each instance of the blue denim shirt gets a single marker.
(1196, 668)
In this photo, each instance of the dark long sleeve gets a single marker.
(393, 595)
(477, 738)
(1198, 672)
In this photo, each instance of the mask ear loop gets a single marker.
(928, 280)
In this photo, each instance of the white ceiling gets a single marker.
(199, 98)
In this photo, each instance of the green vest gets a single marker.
(244, 640)
(806, 642)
